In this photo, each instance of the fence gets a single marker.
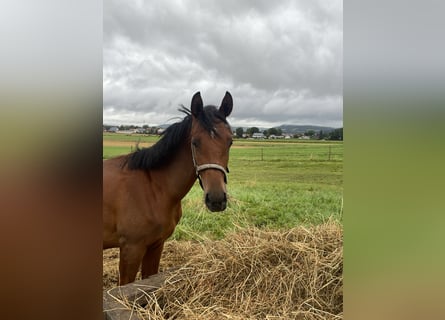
(293, 152)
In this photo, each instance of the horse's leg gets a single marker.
(150, 262)
(129, 262)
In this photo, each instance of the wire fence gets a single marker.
(289, 153)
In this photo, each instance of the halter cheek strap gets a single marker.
(202, 167)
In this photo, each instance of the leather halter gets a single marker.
(202, 167)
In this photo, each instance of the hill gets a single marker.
(285, 128)
(293, 129)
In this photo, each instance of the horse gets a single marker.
(142, 191)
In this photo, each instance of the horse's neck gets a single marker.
(181, 174)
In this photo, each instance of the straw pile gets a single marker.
(110, 268)
(253, 274)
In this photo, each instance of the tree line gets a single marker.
(143, 129)
(336, 134)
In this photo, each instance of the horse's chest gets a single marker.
(162, 223)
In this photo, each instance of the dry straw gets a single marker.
(253, 274)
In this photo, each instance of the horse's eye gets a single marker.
(195, 142)
(230, 142)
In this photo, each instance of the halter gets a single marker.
(202, 167)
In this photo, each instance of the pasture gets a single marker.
(274, 186)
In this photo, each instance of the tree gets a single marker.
(272, 131)
(251, 131)
(153, 130)
(239, 132)
(336, 134)
(309, 133)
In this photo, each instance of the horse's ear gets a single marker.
(226, 104)
(197, 105)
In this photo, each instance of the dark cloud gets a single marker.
(282, 61)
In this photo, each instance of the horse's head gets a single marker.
(211, 138)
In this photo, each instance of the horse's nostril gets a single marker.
(216, 202)
(215, 198)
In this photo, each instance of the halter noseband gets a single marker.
(202, 167)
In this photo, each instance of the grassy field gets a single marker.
(274, 184)
(284, 217)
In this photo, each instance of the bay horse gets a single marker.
(142, 191)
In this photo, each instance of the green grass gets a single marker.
(130, 137)
(275, 185)
(110, 152)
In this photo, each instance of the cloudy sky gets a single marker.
(282, 61)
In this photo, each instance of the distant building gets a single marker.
(258, 135)
(113, 129)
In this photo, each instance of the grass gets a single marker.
(113, 151)
(272, 184)
(130, 137)
(274, 253)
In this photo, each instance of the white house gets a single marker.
(258, 135)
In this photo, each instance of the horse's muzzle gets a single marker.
(216, 201)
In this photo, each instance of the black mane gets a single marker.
(172, 138)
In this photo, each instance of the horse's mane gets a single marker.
(163, 151)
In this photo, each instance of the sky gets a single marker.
(282, 61)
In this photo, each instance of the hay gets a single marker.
(253, 274)
(110, 268)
